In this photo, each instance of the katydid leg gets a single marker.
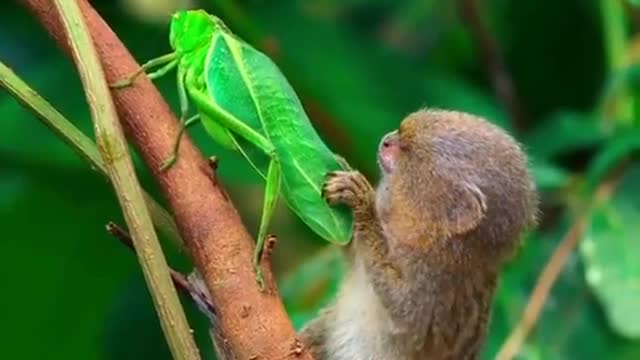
(168, 60)
(272, 189)
(184, 110)
(229, 121)
(182, 95)
(176, 145)
(162, 71)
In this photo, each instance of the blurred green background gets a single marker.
(69, 291)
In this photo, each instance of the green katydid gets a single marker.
(246, 104)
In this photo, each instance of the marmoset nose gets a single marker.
(388, 140)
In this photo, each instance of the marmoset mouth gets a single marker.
(387, 151)
(384, 163)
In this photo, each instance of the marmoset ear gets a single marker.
(460, 209)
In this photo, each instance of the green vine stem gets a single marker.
(614, 29)
(114, 151)
(78, 141)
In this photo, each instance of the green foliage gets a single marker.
(312, 285)
(358, 67)
(611, 251)
(564, 132)
(622, 146)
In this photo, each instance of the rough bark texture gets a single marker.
(253, 325)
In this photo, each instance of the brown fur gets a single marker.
(428, 244)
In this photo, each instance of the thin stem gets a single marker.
(614, 28)
(78, 141)
(501, 79)
(179, 281)
(114, 151)
(614, 25)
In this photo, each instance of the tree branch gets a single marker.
(254, 324)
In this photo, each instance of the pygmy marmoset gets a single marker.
(428, 244)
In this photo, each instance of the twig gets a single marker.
(179, 281)
(490, 53)
(114, 151)
(614, 28)
(78, 141)
(552, 270)
(191, 287)
(620, 110)
(219, 243)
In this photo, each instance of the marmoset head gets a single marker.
(450, 174)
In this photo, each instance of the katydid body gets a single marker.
(245, 103)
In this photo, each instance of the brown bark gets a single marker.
(254, 325)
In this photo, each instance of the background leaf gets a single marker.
(611, 251)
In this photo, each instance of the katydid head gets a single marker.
(190, 30)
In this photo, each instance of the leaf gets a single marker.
(564, 132)
(613, 152)
(549, 176)
(611, 252)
